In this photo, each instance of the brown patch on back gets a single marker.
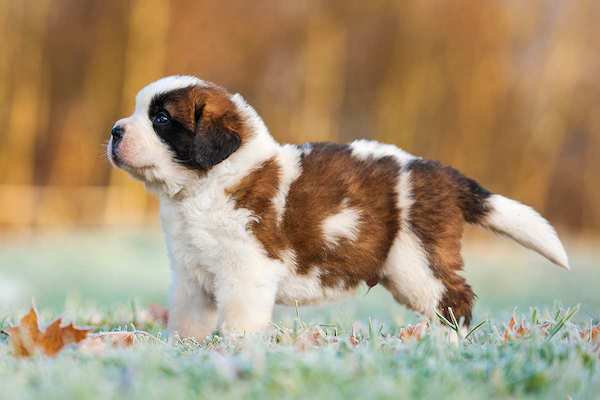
(437, 218)
(329, 175)
(255, 192)
(331, 179)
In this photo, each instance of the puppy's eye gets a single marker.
(161, 118)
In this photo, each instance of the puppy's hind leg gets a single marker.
(435, 202)
(408, 277)
(459, 297)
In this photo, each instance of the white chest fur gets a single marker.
(200, 231)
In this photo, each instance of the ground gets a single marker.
(360, 348)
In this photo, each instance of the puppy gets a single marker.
(250, 223)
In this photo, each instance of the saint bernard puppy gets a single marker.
(250, 223)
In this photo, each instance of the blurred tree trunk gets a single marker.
(324, 75)
(24, 91)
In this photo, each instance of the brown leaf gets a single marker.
(514, 329)
(118, 339)
(52, 342)
(512, 323)
(522, 330)
(27, 339)
(71, 334)
(309, 338)
(413, 332)
(596, 333)
(592, 335)
(98, 342)
(24, 336)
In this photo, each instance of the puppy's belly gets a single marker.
(307, 289)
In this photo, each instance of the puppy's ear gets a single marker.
(215, 138)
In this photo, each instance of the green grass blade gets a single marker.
(562, 321)
(443, 320)
(475, 328)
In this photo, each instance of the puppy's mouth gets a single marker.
(114, 154)
(118, 161)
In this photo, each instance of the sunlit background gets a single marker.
(506, 91)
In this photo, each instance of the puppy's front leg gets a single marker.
(245, 301)
(193, 311)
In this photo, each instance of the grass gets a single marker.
(359, 348)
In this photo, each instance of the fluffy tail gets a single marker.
(524, 224)
(510, 218)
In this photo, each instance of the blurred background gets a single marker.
(506, 91)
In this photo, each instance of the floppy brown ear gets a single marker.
(215, 137)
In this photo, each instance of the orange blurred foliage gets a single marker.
(506, 91)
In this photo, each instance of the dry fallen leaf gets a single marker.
(27, 339)
(591, 335)
(515, 330)
(413, 332)
(98, 342)
(309, 338)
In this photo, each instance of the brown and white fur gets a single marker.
(250, 222)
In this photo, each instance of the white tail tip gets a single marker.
(526, 226)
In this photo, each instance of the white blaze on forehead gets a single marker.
(164, 85)
(342, 225)
(411, 280)
(365, 149)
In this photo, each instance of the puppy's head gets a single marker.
(181, 128)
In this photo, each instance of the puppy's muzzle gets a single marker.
(117, 133)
